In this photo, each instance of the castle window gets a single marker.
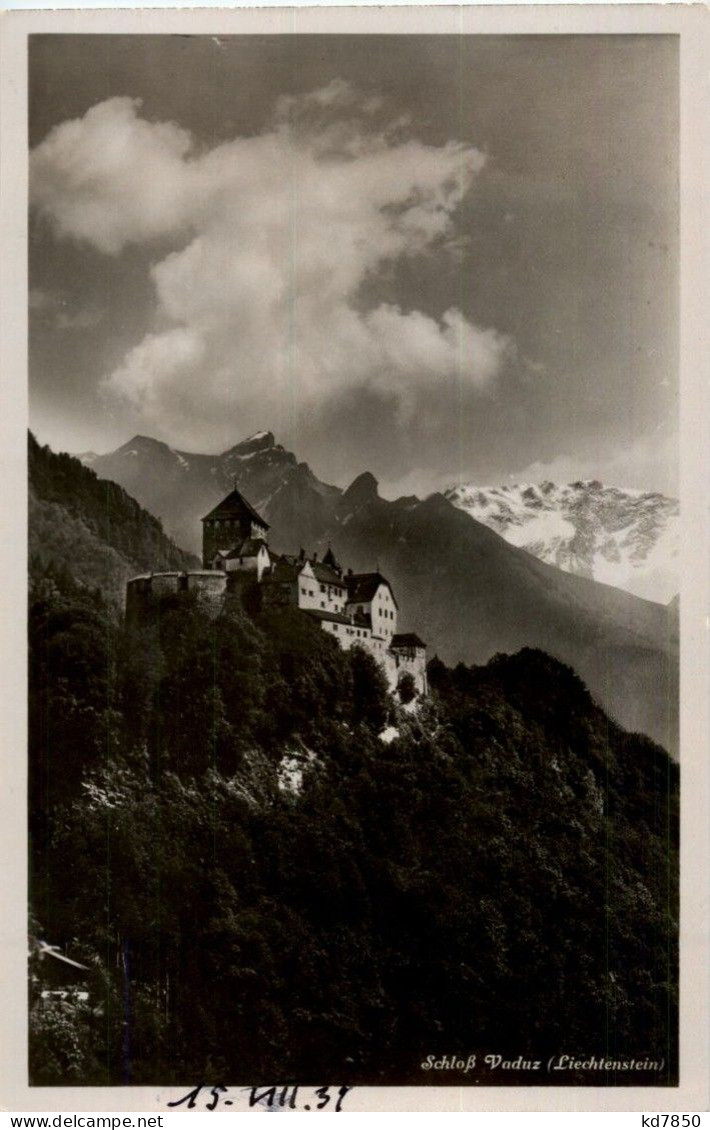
(322, 588)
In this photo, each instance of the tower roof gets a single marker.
(235, 505)
(406, 639)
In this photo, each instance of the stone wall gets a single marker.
(143, 592)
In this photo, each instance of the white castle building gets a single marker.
(356, 609)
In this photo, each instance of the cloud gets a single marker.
(650, 463)
(276, 239)
(112, 178)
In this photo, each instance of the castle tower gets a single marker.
(232, 520)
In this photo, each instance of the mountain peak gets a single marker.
(140, 444)
(258, 441)
(362, 489)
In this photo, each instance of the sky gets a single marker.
(437, 258)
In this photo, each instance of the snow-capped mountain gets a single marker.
(625, 538)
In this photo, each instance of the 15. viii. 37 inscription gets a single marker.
(289, 1097)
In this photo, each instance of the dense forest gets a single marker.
(263, 889)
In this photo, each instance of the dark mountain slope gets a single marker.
(470, 594)
(90, 530)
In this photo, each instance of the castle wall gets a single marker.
(142, 593)
(307, 588)
(382, 612)
(329, 598)
(393, 663)
(209, 586)
(412, 661)
(348, 635)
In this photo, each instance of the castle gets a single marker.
(356, 609)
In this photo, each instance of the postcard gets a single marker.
(356, 568)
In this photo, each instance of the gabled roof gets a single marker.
(407, 639)
(363, 586)
(331, 617)
(235, 505)
(285, 558)
(326, 575)
(248, 548)
(283, 572)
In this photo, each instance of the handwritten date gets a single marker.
(273, 1098)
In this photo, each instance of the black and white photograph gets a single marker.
(353, 747)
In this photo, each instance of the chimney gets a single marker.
(350, 572)
(301, 554)
(315, 558)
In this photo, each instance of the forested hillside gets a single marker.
(265, 890)
(88, 529)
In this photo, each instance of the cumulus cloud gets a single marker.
(262, 301)
(111, 178)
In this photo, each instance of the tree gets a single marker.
(407, 688)
(371, 701)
